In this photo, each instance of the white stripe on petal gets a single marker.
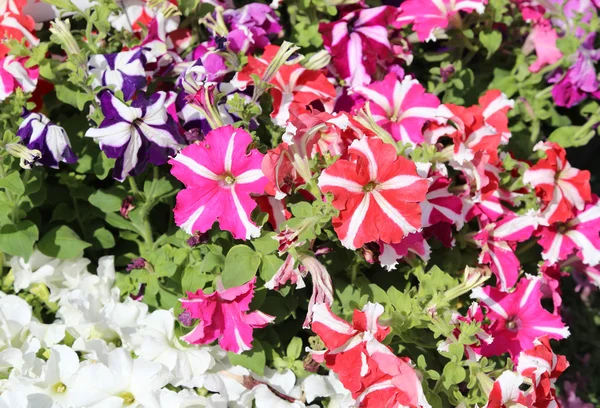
(478, 293)
(419, 112)
(356, 221)
(393, 213)
(362, 146)
(188, 225)
(564, 331)
(590, 254)
(130, 157)
(252, 231)
(114, 135)
(196, 167)
(554, 251)
(229, 153)
(397, 182)
(249, 176)
(326, 180)
(532, 284)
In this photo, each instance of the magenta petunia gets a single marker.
(224, 315)
(220, 179)
(517, 318)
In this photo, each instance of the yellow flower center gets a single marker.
(370, 186)
(59, 388)
(127, 397)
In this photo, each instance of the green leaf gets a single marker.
(254, 360)
(294, 349)
(193, 279)
(62, 242)
(269, 266)
(241, 265)
(491, 41)
(72, 97)
(103, 165)
(13, 183)
(108, 201)
(571, 136)
(453, 373)
(18, 239)
(104, 238)
(266, 244)
(63, 212)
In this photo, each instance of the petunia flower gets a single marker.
(413, 243)
(14, 74)
(440, 205)
(293, 86)
(562, 188)
(517, 318)
(224, 315)
(220, 178)
(498, 241)
(138, 14)
(505, 392)
(580, 79)
(400, 107)
(495, 106)
(37, 132)
(543, 39)
(250, 27)
(543, 368)
(124, 71)
(16, 26)
(357, 42)
(377, 193)
(429, 15)
(136, 135)
(579, 234)
(347, 354)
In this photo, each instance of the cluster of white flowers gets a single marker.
(104, 353)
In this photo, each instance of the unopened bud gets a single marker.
(62, 31)
(318, 60)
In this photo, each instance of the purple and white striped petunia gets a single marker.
(38, 133)
(136, 135)
(219, 177)
(401, 107)
(123, 70)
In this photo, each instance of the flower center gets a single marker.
(562, 228)
(59, 388)
(229, 179)
(512, 324)
(127, 397)
(370, 186)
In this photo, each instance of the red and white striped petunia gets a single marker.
(401, 107)
(357, 41)
(220, 178)
(506, 392)
(581, 235)
(377, 192)
(561, 188)
(429, 15)
(497, 242)
(517, 318)
(293, 87)
(495, 106)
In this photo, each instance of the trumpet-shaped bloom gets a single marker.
(498, 241)
(124, 71)
(429, 15)
(517, 318)
(561, 188)
(37, 132)
(357, 41)
(377, 193)
(14, 74)
(400, 107)
(136, 135)
(543, 38)
(580, 235)
(506, 392)
(219, 177)
(441, 205)
(293, 87)
(224, 315)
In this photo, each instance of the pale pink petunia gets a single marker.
(429, 15)
(561, 188)
(220, 178)
(401, 107)
(498, 241)
(580, 235)
(224, 315)
(543, 38)
(517, 318)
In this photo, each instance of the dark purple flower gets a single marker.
(580, 79)
(136, 135)
(123, 71)
(38, 133)
(197, 239)
(140, 295)
(250, 27)
(447, 72)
